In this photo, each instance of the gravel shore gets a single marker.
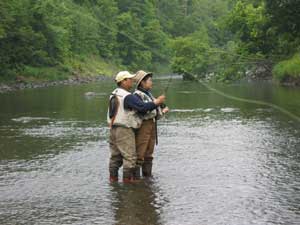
(8, 87)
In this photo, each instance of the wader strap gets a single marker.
(117, 106)
(157, 112)
(156, 135)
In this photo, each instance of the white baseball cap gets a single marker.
(122, 75)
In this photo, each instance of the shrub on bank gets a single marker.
(75, 66)
(288, 70)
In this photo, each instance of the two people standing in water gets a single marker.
(132, 118)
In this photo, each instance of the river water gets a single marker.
(218, 161)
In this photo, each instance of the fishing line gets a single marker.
(252, 101)
(165, 57)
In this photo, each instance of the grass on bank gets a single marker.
(79, 66)
(288, 70)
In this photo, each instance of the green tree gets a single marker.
(106, 12)
(56, 25)
(251, 27)
(19, 44)
(132, 51)
(191, 54)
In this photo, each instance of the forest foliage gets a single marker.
(224, 39)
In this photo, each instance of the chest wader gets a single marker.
(147, 131)
(122, 138)
(112, 112)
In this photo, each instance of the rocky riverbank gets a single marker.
(23, 84)
(291, 81)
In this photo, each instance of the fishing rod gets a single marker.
(168, 84)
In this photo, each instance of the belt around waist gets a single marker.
(120, 125)
(152, 119)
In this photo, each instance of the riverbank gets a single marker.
(73, 80)
(75, 70)
(287, 72)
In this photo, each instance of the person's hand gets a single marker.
(159, 100)
(165, 110)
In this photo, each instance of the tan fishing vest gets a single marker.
(124, 117)
(146, 98)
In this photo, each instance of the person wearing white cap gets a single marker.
(123, 119)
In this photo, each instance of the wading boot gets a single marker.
(137, 173)
(113, 176)
(147, 168)
(113, 179)
(127, 176)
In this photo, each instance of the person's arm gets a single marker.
(134, 102)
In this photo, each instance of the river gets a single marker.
(219, 161)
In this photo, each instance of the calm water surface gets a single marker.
(218, 161)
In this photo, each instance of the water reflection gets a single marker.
(137, 204)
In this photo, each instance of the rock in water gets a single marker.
(89, 94)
